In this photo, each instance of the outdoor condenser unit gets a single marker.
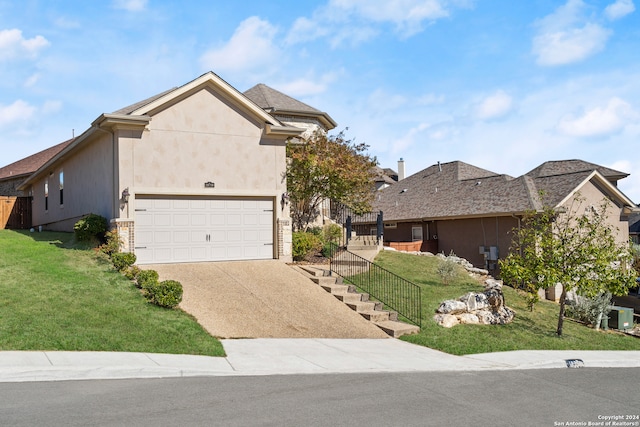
(621, 318)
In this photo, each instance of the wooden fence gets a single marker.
(15, 212)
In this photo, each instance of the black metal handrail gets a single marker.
(393, 291)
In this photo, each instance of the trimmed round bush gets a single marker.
(304, 244)
(147, 278)
(90, 227)
(132, 272)
(167, 293)
(123, 260)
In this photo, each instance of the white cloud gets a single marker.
(566, 47)
(600, 121)
(17, 112)
(66, 23)
(494, 106)
(130, 5)
(32, 80)
(250, 47)
(409, 138)
(356, 21)
(407, 15)
(619, 9)
(50, 107)
(14, 45)
(564, 37)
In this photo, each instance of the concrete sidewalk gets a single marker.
(289, 356)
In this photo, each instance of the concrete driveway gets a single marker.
(262, 299)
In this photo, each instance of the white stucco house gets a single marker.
(196, 173)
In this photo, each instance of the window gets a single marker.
(46, 194)
(416, 233)
(61, 187)
(391, 225)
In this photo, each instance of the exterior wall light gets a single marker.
(125, 195)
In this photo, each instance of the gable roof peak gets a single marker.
(563, 167)
(273, 100)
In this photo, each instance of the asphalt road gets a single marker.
(550, 397)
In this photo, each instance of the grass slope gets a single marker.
(529, 331)
(55, 295)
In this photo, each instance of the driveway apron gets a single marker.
(262, 299)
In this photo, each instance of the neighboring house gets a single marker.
(460, 208)
(196, 173)
(11, 176)
(634, 228)
(384, 178)
(290, 111)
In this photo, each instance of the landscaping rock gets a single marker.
(468, 318)
(452, 307)
(446, 320)
(485, 308)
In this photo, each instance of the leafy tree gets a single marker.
(328, 167)
(575, 247)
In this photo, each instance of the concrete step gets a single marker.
(335, 288)
(314, 271)
(363, 306)
(376, 315)
(323, 280)
(349, 297)
(397, 329)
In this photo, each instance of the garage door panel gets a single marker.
(188, 230)
(162, 220)
(198, 219)
(162, 204)
(234, 236)
(162, 237)
(234, 218)
(217, 220)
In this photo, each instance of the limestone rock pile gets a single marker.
(486, 308)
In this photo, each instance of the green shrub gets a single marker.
(328, 249)
(167, 293)
(589, 310)
(90, 227)
(112, 243)
(304, 244)
(447, 270)
(132, 272)
(123, 260)
(147, 278)
(332, 233)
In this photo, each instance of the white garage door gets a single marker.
(191, 230)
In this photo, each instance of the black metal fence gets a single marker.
(363, 224)
(393, 291)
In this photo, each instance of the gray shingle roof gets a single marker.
(560, 167)
(133, 107)
(458, 189)
(30, 164)
(270, 99)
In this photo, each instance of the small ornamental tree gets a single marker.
(575, 248)
(327, 167)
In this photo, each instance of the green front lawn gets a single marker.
(58, 295)
(529, 331)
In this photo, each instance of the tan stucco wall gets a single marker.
(201, 139)
(88, 183)
(594, 197)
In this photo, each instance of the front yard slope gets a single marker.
(56, 295)
(529, 330)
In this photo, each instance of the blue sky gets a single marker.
(501, 84)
